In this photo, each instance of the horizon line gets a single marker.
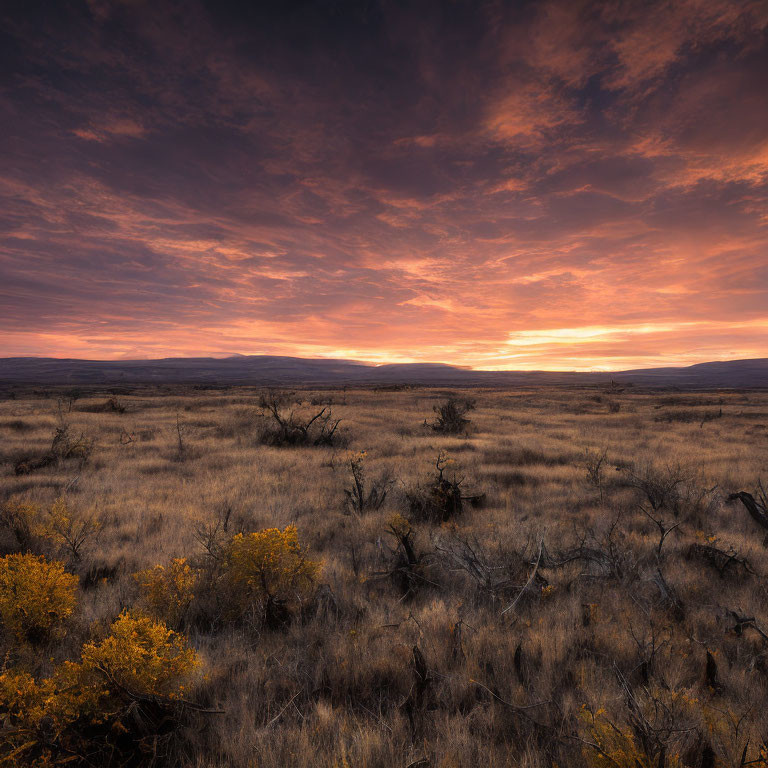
(374, 364)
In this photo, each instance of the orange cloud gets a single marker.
(567, 186)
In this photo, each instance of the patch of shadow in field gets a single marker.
(524, 456)
(17, 425)
(509, 477)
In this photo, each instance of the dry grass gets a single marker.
(545, 624)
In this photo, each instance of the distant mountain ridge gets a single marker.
(277, 370)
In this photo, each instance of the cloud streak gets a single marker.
(552, 185)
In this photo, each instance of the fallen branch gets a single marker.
(757, 508)
(280, 713)
(527, 583)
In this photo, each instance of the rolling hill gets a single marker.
(276, 370)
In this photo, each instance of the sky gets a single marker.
(560, 185)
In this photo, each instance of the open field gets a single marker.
(571, 612)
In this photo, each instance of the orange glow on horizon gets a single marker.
(588, 348)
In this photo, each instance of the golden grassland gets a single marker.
(562, 617)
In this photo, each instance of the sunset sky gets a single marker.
(534, 185)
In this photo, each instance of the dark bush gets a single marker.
(440, 499)
(63, 446)
(284, 426)
(451, 416)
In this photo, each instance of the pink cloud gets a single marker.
(570, 187)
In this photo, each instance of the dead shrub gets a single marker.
(659, 487)
(283, 425)
(440, 499)
(27, 527)
(605, 550)
(670, 491)
(72, 528)
(64, 446)
(112, 404)
(451, 416)
(406, 570)
(756, 505)
(594, 464)
(727, 562)
(215, 534)
(115, 405)
(364, 495)
(495, 573)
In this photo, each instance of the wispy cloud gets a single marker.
(570, 185)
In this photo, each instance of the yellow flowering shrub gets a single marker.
(19, 693)
(138, 658)
(166, 592)
(615, 746)
(62, 699)
(71, 528)
(400, 525)
(269, 567)
(36, 596)
(142, 656)
(22, 521)
(61, 524)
